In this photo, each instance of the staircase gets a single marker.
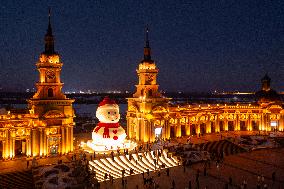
(139, 163)
(17, 180)
(221, 146)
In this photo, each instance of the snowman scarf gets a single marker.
(106, 128)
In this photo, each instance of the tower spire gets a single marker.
(49, 39)
(147, 49)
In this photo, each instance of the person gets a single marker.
(28, 163)
(226, 186)
(262, 178)
(189, 184)
(245, 183)
(258, 178)
(230, 180)
(205, 172)
(173, 184)
(168, 172)
(273, 176)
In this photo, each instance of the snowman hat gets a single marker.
(107, 101)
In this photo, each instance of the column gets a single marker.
(208, 126)
(44, 142)
(138, 129)
(198, 128)
(249, 124)
(226, 124)
(40, 142)
(62, 143)
(12, 143)
(217, 124)
(13, 147)
(67, 144)
(178, 129)
(147, 131)
(168, 129)
(129, 133)
(281, 122)
(28, 144)
(6, 144)
(187, 127)
(71, 139)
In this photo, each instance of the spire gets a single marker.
(49, 29)
(147, 49)
(265, 82)
(49, 39)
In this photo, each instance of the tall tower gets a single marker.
(50, 106)
(265, 83)
(148, 109)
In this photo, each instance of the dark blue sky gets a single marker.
(197, 45)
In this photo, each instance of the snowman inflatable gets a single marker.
(108, 134)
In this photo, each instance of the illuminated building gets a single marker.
(149, 115)
(46, 127)
(147, 103)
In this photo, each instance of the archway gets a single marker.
(20, 147)
(230, 125)
(50, 92)
(183, 132)
(221, 125)
(193, 129)
(243, 126)
(53, 144)
(213, 127)
(202, 128)
(173, 132)
(255, 126)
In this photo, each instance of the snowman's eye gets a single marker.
(108, 112)
(114, 112)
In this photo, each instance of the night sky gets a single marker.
(198, 46)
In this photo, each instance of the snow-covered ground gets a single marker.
(253, 142)
(58, 176)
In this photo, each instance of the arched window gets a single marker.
(50, 92)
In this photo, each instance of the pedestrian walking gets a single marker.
(173, 184)
(189, 184)
(205, 172)
(230, 181)
(245, 183)
(262, 178)
(273, 176)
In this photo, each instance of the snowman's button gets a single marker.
(114, 131)
(115, 138)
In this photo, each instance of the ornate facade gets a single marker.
(46, 127)
(150, 115)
